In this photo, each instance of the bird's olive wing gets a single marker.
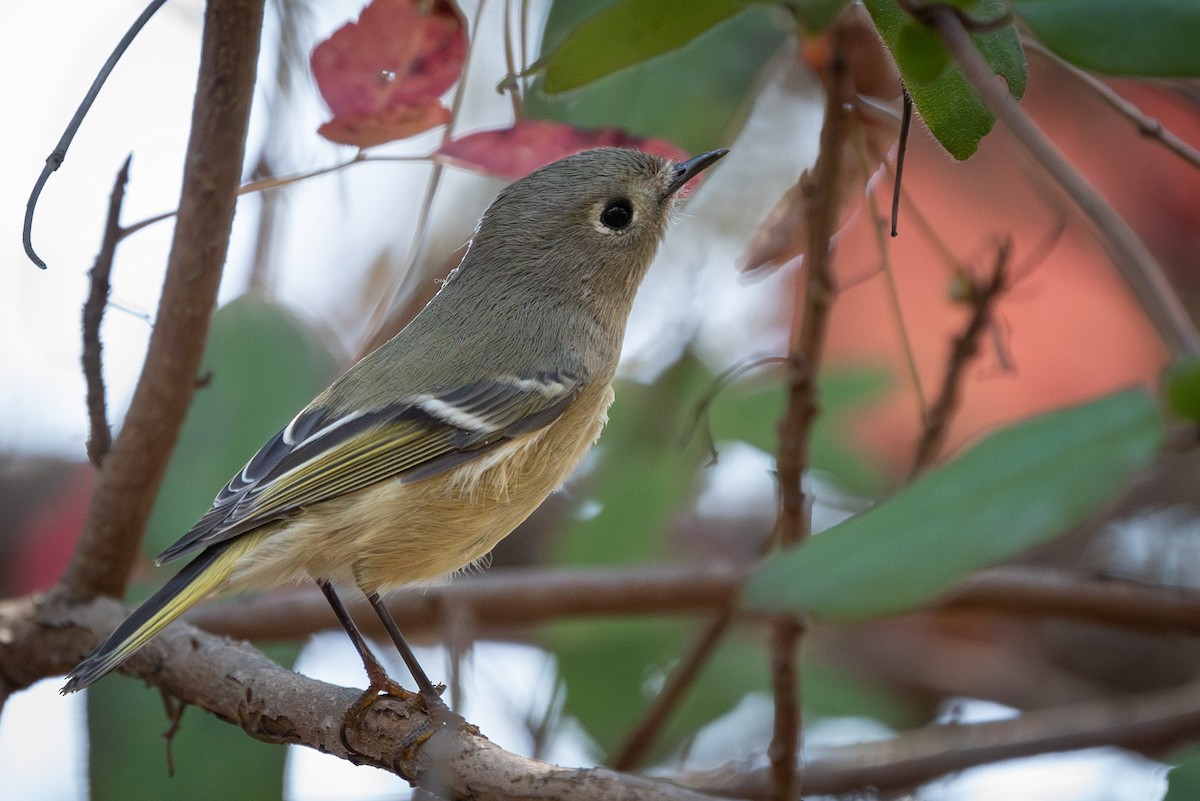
(317, 457)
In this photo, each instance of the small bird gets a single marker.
(435, 446)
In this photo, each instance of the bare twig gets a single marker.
(277, 182)
(502, 600)
(174, 709)
(126, 487)
(495, 600)
(901, 152)
(1129, 254)
(59, 154)
(812, 313)
(633, 751)
(889, 275)
(982, 297)
(99, 436)
(1151, 722)
(513, 86)
(784, 749)
(821, 188)
(1145, 124)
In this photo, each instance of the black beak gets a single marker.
(685, 171)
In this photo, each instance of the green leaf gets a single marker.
(1181, 385)
(921, 53)
(689, 96)
(644, 29)
(1016, 489)
(949, 106)
(1183, 780)
(1159, 38)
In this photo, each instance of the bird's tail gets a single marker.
(196, 580)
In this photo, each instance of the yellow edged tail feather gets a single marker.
(193, 583)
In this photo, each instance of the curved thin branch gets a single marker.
(59, 154)
(126, 486)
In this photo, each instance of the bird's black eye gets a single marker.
(617, 214)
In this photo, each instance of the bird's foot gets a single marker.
(381, 686)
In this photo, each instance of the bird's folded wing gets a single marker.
(317, 457)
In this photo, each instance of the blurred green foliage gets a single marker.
(686, 95)
(1183, 780)
(646, 471)
(1181, 386)
(260, 368)
(1151, 38)
(750, 412)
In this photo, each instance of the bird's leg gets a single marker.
(431, 694)
(380, 681)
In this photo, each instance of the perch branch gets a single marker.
(236, 683)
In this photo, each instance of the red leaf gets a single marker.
(519, 150)
(383, 75)
(375, 129)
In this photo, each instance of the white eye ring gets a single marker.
(615, 216)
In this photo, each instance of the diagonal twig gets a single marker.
(633, 751)
(99, 436)
(982, 297)
(1145, 124)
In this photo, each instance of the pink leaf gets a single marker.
(519, 150)
(383, 75)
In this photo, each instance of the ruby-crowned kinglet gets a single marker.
(434, 447)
